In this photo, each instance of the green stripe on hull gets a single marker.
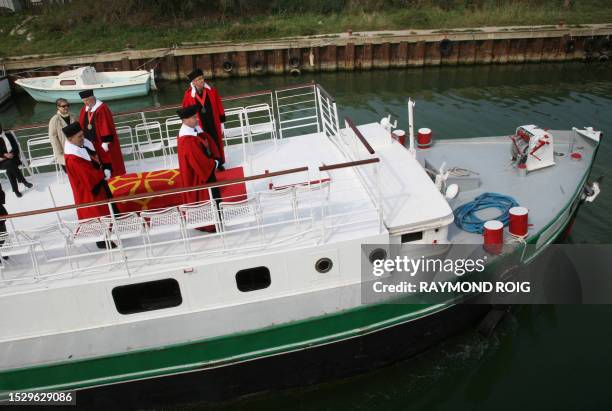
(211, 352)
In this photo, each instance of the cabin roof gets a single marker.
(411, 201)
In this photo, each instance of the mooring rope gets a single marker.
(465, 215)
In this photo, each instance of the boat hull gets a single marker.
(103, 93)
(311, 365)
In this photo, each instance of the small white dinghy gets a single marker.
(112, 85)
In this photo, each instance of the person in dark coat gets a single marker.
(3, 212)
(209, 108)
(10, 161)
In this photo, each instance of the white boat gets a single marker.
(5, 88)
(275, 297)
(110, 85)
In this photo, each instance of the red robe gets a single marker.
(217, 108)
(195, 166)
(105, 132)
(84, 176)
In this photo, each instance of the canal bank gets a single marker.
(344, 51)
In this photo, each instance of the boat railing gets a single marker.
(253, 117)
(297, 110)
(328, 112)
(256, 213)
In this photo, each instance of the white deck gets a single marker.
(351, 214)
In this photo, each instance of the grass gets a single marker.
(58, 32)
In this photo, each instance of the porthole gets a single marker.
(377, 254)
(324, 265)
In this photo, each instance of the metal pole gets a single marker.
(120, 245)
(411, 126)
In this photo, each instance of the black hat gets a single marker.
(187, 111)
(86, 93)
(195, 74)
(71, 129)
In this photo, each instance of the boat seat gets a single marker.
(172, 131)
(163, 221)
(14, 245)
(126, 141)
(234, 128)
(149, 138)
(260, 120)
(40, 153)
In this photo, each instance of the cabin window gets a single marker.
(67, 82)
(251, 279)
(410, 237)
(148, 296)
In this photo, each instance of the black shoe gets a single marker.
(103, 245)
(5, 257)
(18, 194)
(28, 184)
(220, 167)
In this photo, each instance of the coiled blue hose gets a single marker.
(465, 216)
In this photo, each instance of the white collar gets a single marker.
(73, 149)
(95, 107)
(194, 89)
(189, 131)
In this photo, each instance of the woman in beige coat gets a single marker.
(57, 122)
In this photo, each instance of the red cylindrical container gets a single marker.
(424, 138)
(400, 135)
(493, 236)
(518, 221)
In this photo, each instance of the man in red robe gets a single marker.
(97, 123)
(196, 157)
(86, 178)
(209, 109)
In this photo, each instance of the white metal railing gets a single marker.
(297, 110)
(318, 208)
(251, 118)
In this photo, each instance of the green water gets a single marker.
(546, 357)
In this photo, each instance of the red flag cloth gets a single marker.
(105, 126)
(218, 113)
(83, 177)
(154, 181)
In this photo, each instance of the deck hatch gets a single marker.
(148, 296)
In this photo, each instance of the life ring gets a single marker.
(295, 72)
(257, 66)
(294, 62)
(603, 58)
(228, 66)
(446, 48)
(570, 45)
